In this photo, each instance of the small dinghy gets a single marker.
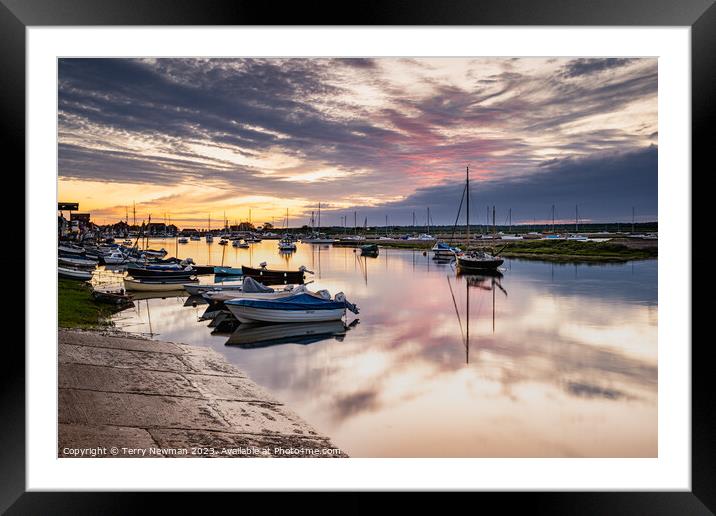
(76, 274)
(199, 289)
(70, 249)
(152, 285)
(369, 250)
(76, 262)
(297, 308)
(161, 272)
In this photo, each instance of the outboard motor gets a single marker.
(303, 268)
(262, 265)
(341, 298)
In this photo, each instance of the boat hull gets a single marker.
(153, 286)
(73, 274)
(246, 314)
(160, 274)
(478, 265)
(269, 277)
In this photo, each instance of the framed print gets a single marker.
(438, 247)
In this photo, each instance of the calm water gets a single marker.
(551, 361)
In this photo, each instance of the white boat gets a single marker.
(71, 249)
(127, 241)
(155, 285)
(215, 296)
(296, 308)
(223, 241)
(209, 238)
(443, 250)
(511, 237)
(578, 238)
(76, 262)
(195, 237)
(113, 258)
(286, 245)
(318, 238)
(70, 273)
(240, 244)
(183, 240)
(424, 237)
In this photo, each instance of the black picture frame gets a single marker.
(700, 15)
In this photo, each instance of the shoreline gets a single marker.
(121, 395)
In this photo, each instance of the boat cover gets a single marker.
(251, 285)
(301, 301)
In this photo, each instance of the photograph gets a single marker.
(357, 257)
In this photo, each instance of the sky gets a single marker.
(189, 139)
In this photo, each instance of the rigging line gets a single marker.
(457, 218)
(457, 312)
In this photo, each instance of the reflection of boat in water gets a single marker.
(486, 280)
(256, 335)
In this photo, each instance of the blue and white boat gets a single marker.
(298, 308)
(443, 250)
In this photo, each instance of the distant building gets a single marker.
(156, 228)
(82, 218)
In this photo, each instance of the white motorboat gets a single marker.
(183, 240)
(113, 258)
(296, 308)
(195, 237)
(578, 238)
(286, 245)
(241, 244)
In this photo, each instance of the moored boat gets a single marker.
(272, 277)
(76, 262)
(369, 250)
(303, 307)
(152, 285)
(71, 273)
(444, 250)
(160, 272)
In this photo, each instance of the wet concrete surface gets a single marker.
(122, 396)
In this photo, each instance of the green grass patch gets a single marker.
(77, 309)
(606, 251)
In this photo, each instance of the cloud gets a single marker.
(385, 128)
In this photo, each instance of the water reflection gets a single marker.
(561, 360)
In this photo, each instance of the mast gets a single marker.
(355, 222)
(428, 220)
(510, 226)
(319, 217)
(134, 213)
(576, 218)
(553, 218)
(467, 191)
(494, 227)
(632, 219)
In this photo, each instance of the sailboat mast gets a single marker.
(576, 217)
(319, 216)
(428, 220)
(467, 191)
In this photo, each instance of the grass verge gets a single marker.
(77, 309)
